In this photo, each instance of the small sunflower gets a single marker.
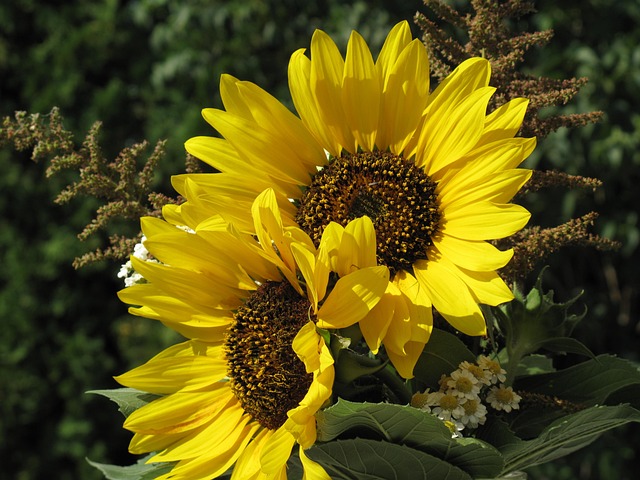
(246, 386)
(433, 172)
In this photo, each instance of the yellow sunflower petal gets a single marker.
(141, 443)
(504, 122)
(400, 330)
(449, 134)
(248, 464)
(472, 254)
(405, 94)
(218, 434)
(185, 284)
(375, 324)
(406, 361)
(283, 125)
(397, 39)
(221, 155)
(330, 247)
(304, 101)
(316, 275)
(167, 375)
(269, 230)
(361, 91)
(485, 220)
(258, 148)
(486, 287)
(327, 70)
(498, 188)
(178, 412)
(312, 470)
(419, 304)
(357, 246)
(305, 344)
(231, 98)
(495, 157)
(467, 77)
(214, 465)
(450, 296)
(352, 297)
(276, 451)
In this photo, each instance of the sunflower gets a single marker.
(433, 171)
(246, 385)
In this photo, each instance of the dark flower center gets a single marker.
(399, 197)
(266, 375)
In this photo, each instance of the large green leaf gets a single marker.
(590, 382)
(441, 355)
(138, 471)
(128, 399)
(408, 426)
(566, 435)
(367, 459)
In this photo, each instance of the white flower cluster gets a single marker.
(130, 276)
(459, 404)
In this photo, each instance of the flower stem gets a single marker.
(397, 385)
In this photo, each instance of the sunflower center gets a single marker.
(266, 375)
(399, 198)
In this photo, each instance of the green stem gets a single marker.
(515, 355)
(398, 386)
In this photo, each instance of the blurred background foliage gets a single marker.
(145, 69)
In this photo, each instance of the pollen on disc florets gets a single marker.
(399, 197)
(266, 375)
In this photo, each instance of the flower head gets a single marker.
(503, 398)
(433, 172)
(246, 386)
(475, 413)
(446, 406)
(463, 384)
(483, 375)
(493, 368)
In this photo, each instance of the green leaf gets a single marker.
(367, 459)
(138, 471)
(535, 321)
(128, 399)
(534, 365)
(565, 345)
(567, 435)
(496, 432)
(441, 355)
(405, 425)
(350, 365)
(590, 382)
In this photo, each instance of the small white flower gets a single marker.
(140, 251)
(498, 374)
(475, 413)
(463, 384)
(483, 375)
(446, 405)
(127, 272)
(503, 398)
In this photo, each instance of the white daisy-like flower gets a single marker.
(503, 398)
(127, 272)
(483, 375)
(463, 384)
(475, 413)
(446, 406)
(498, 374)
(420, 400)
